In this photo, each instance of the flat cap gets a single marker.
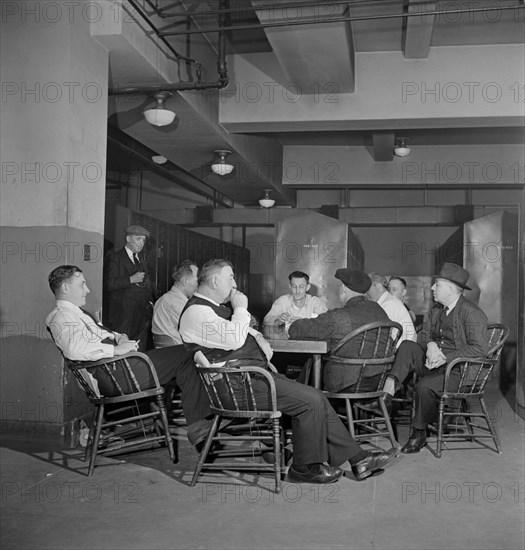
(137, 230)
(354, 279)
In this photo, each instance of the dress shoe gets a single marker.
(374, 407)
(415, 443)
(372, 463)
(317, 473)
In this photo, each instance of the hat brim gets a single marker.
(461, 285)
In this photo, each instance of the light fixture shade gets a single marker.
(159, 115)
(159, 159)
(401, 149)
(266, 202)
(221, 166)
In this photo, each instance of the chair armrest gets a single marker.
(460, 361)
(240, 370)
(80, 365)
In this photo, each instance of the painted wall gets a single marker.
(53, 142)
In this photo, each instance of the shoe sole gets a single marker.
(290, 480)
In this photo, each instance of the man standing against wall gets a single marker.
(130, 289)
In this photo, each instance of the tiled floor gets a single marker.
(467, 499)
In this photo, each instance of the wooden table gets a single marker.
(280, 342)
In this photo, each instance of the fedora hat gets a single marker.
(354, 279)
(455, 274)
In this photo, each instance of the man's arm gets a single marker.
(278, 307)
(472, 328)
(114, 279)
(323, 327)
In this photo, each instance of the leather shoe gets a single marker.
(415, 443)
(317, 473)
(372, 463)
(374, 407)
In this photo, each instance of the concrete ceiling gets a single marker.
(299, 42)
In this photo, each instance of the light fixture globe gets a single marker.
(266, 202)
(159, 159)
(159, 115)
(401, 149)
(221, 166)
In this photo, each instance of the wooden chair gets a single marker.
(231, 396)
(473, 374)
(151, 424)
(372, 348)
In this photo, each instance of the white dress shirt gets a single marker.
(201, 325)
(166, 314)
(312, 307)
(397, 311)
(77, 335)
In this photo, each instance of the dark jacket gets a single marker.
(333, 326)
(469, 325)
(129, 308)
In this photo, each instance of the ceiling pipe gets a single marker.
(321, 20)
(182, 86)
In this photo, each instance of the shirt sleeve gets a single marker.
(201, 325)
(278, 307)
(78, 340)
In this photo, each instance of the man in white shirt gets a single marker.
(81, 338)
(167, 309)
(319, 436)
(394, 307)
(296, 305)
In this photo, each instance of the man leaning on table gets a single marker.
(337, 323)
(319, 436)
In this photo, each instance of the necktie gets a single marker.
(136, 259)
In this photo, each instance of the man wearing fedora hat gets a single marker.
(336, 323)
(454, 328)
(129, 287)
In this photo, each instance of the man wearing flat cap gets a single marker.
(129, 288)
(337, 323)
(454, 328)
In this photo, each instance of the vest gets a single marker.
(249, 351)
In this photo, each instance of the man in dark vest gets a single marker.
(130, 289)
(319, 436)
(454, 328)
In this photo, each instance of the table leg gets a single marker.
(317, 370)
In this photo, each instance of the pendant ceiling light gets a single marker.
(220, 165)
(401, 149)
(266, 202)
(159, 115)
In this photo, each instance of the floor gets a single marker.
(470, 498)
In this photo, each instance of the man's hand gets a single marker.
(126, 347)
(435, 357)
(238, 299)
(283, 319)
(121, 338)
(265, 346)
(137, 278)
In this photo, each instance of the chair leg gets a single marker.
(350, 417)
(96, 438)
(440, 427)
(91, 435)
(388, 423)
(490, 424)
(206, 450)
(165, 425)
(276, 429)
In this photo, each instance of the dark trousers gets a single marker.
(410, 357)
(318, 433)
(173, 365)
